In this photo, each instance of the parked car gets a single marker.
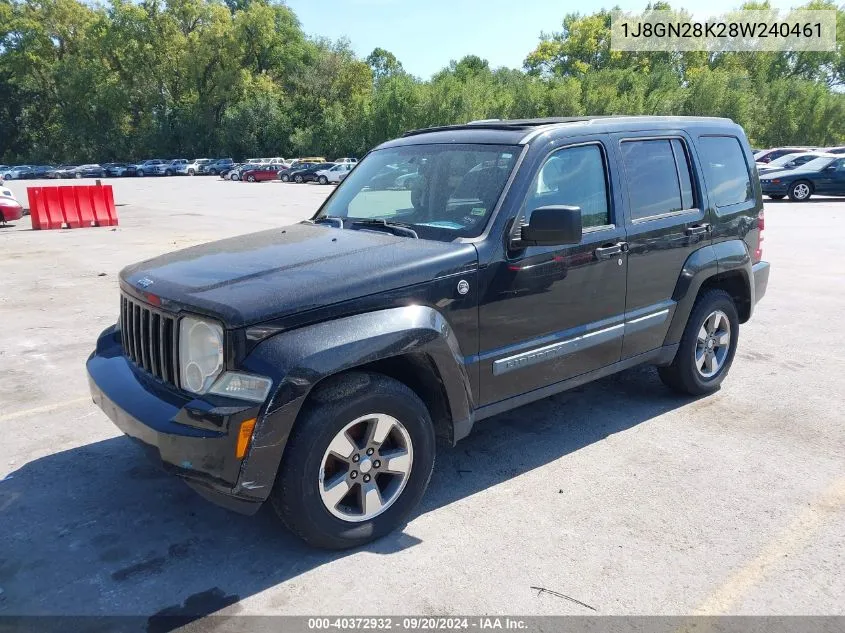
(285, 172)
(392, 317)
(14, 173)
(768, 155)
(834, 150)
(260, 173)
(195, 166)
(115, 170)
(35, 172)
(790, 161)
(308, 174)
(177, 166)
(339, 161)
(62, 171)
(824, 175)
(10, 208)
(334, 174)
(151, 167)
(234, 172)
(87, 171)
(214, 167)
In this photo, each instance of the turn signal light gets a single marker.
(244, 437)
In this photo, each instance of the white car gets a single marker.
(193, 168)
(334, 174)
(342, 161)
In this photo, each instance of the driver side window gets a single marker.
(576, 177)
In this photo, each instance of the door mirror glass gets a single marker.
(552, 226)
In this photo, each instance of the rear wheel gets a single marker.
(298, 179)
(140, 173)
(235, 177)
(190, 172)
(800, 191)
(284, 178)
(357, 462)
(78, 174)
(707, 346)
(250, 178)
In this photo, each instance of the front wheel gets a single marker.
(78, 175)
(298, 180)
(357, 462)
(323, 180)
(284, 178)
(167, 172)
(707, 346)
(800, 191)
(250, 178)
(190, 172)
(234, 177)
(140, 173)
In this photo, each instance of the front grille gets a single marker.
(149, 339)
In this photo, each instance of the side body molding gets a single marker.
(716, 259)
(299, 359)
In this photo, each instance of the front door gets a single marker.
(832, 179)
(553, 312)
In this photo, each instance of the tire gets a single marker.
(298, 180)
(78, 175)
(323, 180)
(354, 400)
(190, 172)
(140, 173)
(167, 172)
(284, 178)
(250, 178)
(777, 196)
(235, 177)
(684, 374)
(213, 172)
(800, 191)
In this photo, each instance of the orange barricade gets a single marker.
(71, 206)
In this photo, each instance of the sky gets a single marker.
(426, 34)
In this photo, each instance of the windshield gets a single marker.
(788, 158)
(441, 191)
(818, 163)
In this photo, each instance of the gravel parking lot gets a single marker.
(619, 494)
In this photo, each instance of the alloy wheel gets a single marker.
(365, 467)
(713, 344)
(801, 191)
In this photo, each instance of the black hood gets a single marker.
(252, 278)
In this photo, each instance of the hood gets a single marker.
(260, 276)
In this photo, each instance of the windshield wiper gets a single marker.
(329, 219)
(398, 228)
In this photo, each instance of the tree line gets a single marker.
(166, 78)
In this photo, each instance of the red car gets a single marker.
(262, 172)
(9, 207)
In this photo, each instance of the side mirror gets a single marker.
(830, 168)
(551, 226)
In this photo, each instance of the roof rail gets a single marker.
(510, 124)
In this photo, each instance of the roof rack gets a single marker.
(510, 124)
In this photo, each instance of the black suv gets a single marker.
(314, 365)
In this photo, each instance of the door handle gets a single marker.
(610, 250)
(698, 229)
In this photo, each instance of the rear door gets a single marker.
(666, 220)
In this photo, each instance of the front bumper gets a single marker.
(761, 279)
(781, 188)
(192, 438)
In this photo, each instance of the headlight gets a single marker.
(200, 353)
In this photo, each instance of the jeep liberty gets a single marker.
(456, 273)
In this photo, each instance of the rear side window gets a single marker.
(659, 179)
(725, 170)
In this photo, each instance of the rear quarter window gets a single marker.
(725, 170)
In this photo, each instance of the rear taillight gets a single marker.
(761, 224)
